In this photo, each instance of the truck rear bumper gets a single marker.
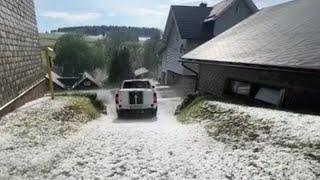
(137, 111)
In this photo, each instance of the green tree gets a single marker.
(114, 68)
(124, 57)
(120, 67)
(150, 56)
(74, 55)
(99, 55)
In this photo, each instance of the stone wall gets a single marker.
(20, 55)
(215, 80)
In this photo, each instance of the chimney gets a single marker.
(203, 4)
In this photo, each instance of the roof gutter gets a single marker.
(196, 73)
(253, 66)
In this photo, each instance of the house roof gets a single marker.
(221, 7)
(55, 79)
(84, 77)
(286, 35)
(188, 20)
(141, 71)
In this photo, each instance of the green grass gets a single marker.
(99, 105)
(84, 105)
(191, 111)
(40, 126)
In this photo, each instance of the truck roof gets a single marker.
(132, 80)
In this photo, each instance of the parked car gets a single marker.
(136, 96)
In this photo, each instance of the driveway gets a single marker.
(158, 148)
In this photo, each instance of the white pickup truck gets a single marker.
(136, 96)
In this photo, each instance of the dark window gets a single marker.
(87, 83)
(269, 95)
(136, 85)
(241, 88)
(238, 9)
(182, 49)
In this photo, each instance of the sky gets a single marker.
(52, 14)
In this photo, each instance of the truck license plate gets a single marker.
(136, 106)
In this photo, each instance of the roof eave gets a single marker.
(252, 66)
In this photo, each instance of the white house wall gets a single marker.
(172, 54)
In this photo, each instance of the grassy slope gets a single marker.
(39, 126)
(245, 130)
(226, 125)
(192, 112)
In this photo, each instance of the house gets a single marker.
(21, 75)
(86, 82)
(272, 56)
(68, 81)
(188, 27)
(57, 84)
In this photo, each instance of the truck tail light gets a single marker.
(154, 98)
(117, 98)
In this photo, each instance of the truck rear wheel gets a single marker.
(120, 115)
(154, 112)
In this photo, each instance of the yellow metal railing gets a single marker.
(49, 70)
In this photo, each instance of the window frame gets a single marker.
(87, 83)
(231, 90)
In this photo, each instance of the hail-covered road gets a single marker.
(158, 148)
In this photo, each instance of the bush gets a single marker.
(186, 102)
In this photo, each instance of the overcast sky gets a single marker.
(52, 14)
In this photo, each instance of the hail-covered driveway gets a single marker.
(158, 148)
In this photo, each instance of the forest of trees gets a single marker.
(74, 55)
(107, 30)
(118, 55)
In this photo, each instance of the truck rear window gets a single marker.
(136, 85)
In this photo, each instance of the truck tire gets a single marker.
(154, 113)
(120, 115)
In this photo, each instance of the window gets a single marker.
(256, 91)
(87, 83)
(182, 49)
(272, 96)
(136, 84)
(238, 9)
(241, 88)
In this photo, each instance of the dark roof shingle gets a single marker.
(286, 35)
(190, 19)
(219, 8)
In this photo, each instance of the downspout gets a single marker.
(196, 73)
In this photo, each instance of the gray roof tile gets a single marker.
(286, 35)
(219, 8)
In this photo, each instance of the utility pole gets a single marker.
(49, 70)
